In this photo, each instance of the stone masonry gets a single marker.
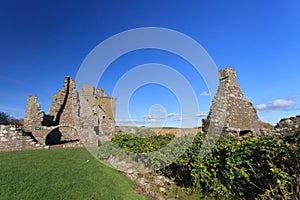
(14, 139)
(287, 126)
(72, 116)
(231, 113)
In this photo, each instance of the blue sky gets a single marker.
(43, 41)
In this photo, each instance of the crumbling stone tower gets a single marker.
(72, 116)
(95, 120)
(231, 113)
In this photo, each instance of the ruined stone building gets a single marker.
(231, 113)
(73, 116)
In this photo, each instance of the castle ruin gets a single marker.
(231, 113)
(73, 116)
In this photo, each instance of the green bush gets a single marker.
(248, 168)
(264, 167)
(136, 144)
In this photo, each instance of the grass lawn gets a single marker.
(60, 174)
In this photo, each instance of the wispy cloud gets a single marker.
(148, 120)
(155, 121)
(177, 116)
(202, 114)
(205, 94)
(181, 117)
(130, 122)
(293, 97)
(174, 114)
(278, 104)
(153, 117)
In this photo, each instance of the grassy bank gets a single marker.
(60, 174)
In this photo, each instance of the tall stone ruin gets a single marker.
(73, 116)
(231, 113)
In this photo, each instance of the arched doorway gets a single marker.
(54, 137)
(61, 135)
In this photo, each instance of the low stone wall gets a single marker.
(66, 145)
(287, 126)
(13, 139)
(156, 186)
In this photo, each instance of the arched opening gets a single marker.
(62, 135)
(245, 132)
(54, 137)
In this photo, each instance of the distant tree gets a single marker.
(4, 118)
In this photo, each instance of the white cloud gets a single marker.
(176, 116)
(293, 97)
(181, 117)
(278, 104)
(130, 122)
(149, 117)
(202, 114)
(154, 121)
(205, 94)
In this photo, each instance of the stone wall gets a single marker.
(93, 122)
(231, 113)
(33, 115)
(14, 139)
(47, 128)
(108, 104)
(62, 111)
(287, 126)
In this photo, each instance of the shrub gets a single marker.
(266, 167)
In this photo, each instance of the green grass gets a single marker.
(60, 174)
